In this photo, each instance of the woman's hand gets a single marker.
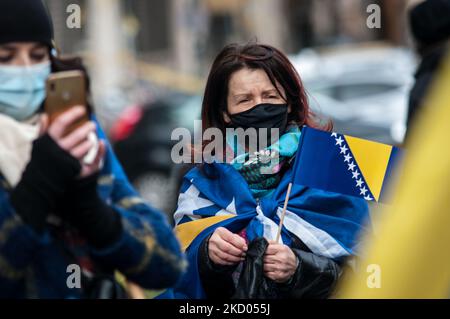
(76, 143)
(53, 166)
(226, 248)
(280, 262)
(90, 169)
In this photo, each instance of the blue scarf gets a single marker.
(328, 223)
(262, 170)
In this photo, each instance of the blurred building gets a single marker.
(68, 40)
(164, 40)
(182, 33)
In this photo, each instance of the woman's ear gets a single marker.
(226, 117)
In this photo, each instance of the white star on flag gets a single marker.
(231, 208)
(344, 149)
(363, 191)
(339, 141)
(368, 197)
(355, 174)
(333, 134)
(359, 182)
(351, 166)
(347, 158)
(191, 201)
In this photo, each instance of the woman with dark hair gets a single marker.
(225, 209)
(261, 62)
(66, 224)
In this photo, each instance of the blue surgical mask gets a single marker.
(22, 89)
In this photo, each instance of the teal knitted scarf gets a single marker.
(262, 169)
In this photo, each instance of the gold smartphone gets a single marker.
(65, 90)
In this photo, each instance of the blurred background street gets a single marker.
(155, 56)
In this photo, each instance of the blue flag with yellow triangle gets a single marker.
(344, 164)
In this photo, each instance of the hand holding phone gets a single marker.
(66, 91)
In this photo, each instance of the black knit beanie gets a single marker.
(430, 21)
(25, 21)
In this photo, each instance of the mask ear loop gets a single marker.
(224, 110)
(232, 140)
(290, 115)
(54, 50)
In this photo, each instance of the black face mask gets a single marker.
(262, 116)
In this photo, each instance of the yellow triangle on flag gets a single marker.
(372, 159)
(187, 232)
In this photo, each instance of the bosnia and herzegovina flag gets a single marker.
(344, 164)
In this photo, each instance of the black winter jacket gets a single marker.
(315, 276)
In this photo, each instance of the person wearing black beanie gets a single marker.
(25, 21)
(430, 27)
(26, 43)
(430, 22)
(55, 210)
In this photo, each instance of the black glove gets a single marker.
(252, 282)
(213, 276)
(44, 181)
(316, 276)
(87, 212)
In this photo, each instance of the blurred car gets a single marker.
(363, 90)
(141, 137)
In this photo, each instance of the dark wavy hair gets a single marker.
(279, 69)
